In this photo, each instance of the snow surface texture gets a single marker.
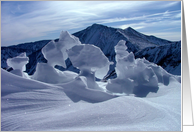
(32, 105)
(58, 100)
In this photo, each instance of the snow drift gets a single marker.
(55, 100)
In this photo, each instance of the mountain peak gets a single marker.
(129, 28)
(98, 25)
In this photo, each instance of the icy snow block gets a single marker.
(89, 57)
(89, 78)
(53, 54)
(145, 81)
(66, 41)
(162, 75)
(120, 50)
(18, 62)
(133, 75)
(143, 74)
(125, 65)
(48, 74)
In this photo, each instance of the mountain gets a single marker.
(167, 56)
(106, 38)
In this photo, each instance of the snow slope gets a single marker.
(44, 107)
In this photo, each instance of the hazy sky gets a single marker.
(27, 21)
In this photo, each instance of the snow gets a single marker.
(87, 56)
(143, 97)
(53, 55)
(43, 107)
(55, 52)
(133, 76)
(48, 74)
(89, 59)
(18, 64)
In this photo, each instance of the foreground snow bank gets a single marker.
(32, 105)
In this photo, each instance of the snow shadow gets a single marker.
(142, 90)
(76, 98)
(77, 90)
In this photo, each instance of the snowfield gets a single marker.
(31, 105)
(143, 97)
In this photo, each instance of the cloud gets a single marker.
(161, 29)
(173, 36)
(155, 16)
(29, 20)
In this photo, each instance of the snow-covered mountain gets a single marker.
(167, 56)
(106, 38)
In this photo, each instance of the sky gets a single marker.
(28, 21)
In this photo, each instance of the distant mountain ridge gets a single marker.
(160, 51)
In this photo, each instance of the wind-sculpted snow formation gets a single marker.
(136, 76)
(48, 74)
(18, 64)
(63, 100)
(91, 61)
(55, 53)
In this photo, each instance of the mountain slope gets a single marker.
(103, 37)
(167, 56)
